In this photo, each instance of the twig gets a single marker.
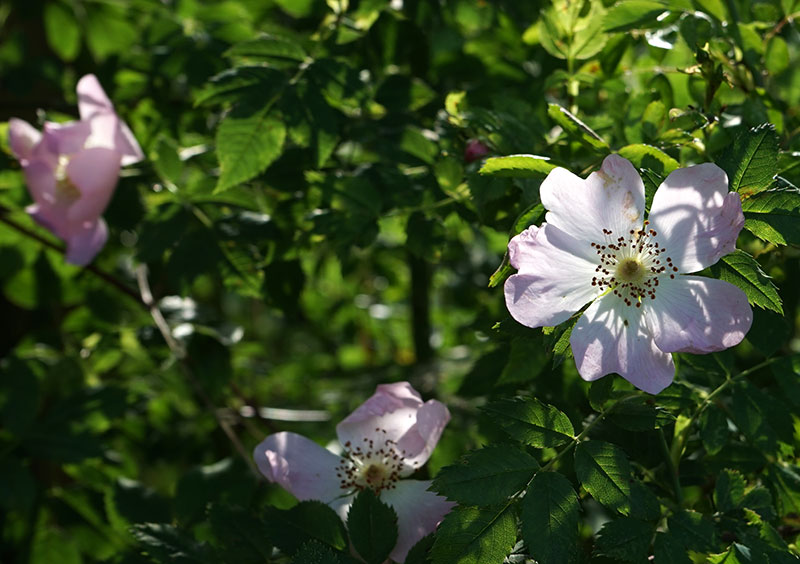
(105, 276)
(179, 352)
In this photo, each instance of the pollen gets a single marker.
(377, 464)
(630, 265)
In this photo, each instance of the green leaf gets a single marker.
(604, 470)
(649, 157)
(691, 530)
(755, 414)
(268, 46)
(517, 166)
(550, 519)
(166, 544)
(667, 549)
(314, 552)
(532, 215)
(774, 216)
(470, 535)
(254, 81)
(751, 161)
(729, 490)
(743, 271)
(420, 552)
(713, 429)
(63, 32)
(372, 526)
(531, 421)
(625, 539)
(784, 481)
(633, 14)
(247, 142)
(576, 128)
(638, 414)
(242, 537)
(486, 476)
(736, 554)
(308, 520)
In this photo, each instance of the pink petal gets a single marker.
(395, 416)
(696, 218)
(54, 222)
(41, 182)
(611, 198)
(104, 129)
(85, 241)
(22, 138)
(92, 98)
(93, 102)
(94, 172)
(698, 315)
(554, 279)
(419, 512)
(610, 337)
(64, 138)
(300, 466)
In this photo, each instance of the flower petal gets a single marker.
(554, 279)
(698, 315)
(696, 218)
(93, 102)
(611, 198)
(396, 413)
(63, 138)
(94, 172)
(22, 138)
(92, 98)
(418, 513)
(85, 241)
(299, 465)
(610, 337)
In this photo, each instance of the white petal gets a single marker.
(22, 138)
(610, 337)
(698, 315)
(611, 198)
(696, 218)
(554, 279)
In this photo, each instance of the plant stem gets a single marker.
(671, 468)
(105, 276)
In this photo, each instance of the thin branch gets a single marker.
(105, 276)
(179, 351)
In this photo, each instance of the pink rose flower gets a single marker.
(384, 440)
(72, 169)
(595, 247)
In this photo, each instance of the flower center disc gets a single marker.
(629, 270)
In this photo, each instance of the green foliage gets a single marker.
(531, 421)
(522, 166)
(550, 518)
(742, 270)
(751, 160)
(471, 535)
(487, 476)
(604, 470)
(373, 527)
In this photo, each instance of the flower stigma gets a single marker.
(630, 266)
(365, 466)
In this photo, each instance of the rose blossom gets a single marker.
(384, 440)
(594, 247)
(72, 169)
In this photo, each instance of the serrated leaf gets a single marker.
(576, 128)
(550, 519)
(784, 481)
(774, 216)
(314, 552)
(372, 526)
(420, 552)
(638, 414)
(248, 141)
(533, 214)
(487, 476)
(604, 470)
(652, 180)
(531, 421)
(633, 14)
(751, 162)
(736, 554)
(167, 544)
(667, 549)
(517, 166)
(308, 520)
(649, 157)
(692, 531)
(625, 539)
(243, 537)
(713, 429)
(256, 81)
(268, 46)
(743, 271)
(469, 535)
(559, 340)
(729, 490)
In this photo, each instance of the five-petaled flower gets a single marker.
(72, 169)
(384, 441)
(595, 246)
